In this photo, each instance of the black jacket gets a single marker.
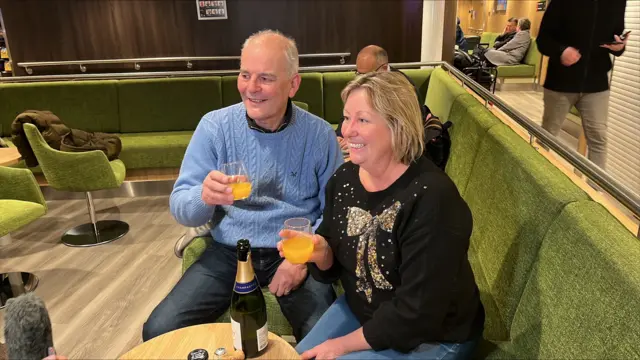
(503, 39)
(584, 25)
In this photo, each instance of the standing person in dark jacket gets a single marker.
(576, 36)
(395, 231)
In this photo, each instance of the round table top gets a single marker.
(179, 343)
(9, 156)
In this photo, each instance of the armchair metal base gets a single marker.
(14, 284)
(95, 232)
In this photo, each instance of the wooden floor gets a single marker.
(99, 297)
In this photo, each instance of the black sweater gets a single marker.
(424, 290)
(584, 25)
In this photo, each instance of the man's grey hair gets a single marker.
(381, 56)
(524, 24)
(290, 50)
(513, 20)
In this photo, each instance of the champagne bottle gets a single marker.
(248, 309)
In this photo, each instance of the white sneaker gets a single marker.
(188, 237)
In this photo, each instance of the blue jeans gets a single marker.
(339, 321)
(203, 293)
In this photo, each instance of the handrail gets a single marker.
(28, 66)
(163, 74)
(620, 192)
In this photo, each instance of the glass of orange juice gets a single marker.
(297, 249)
(240, 183)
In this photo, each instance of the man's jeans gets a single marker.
(203, 293)
(339, 321)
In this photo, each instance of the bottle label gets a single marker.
(263, 336)
(236, 333)
(245, 288)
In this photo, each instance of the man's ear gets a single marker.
(295, 85)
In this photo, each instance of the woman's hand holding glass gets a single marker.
(317, 251)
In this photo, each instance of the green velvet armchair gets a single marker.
(81, 172)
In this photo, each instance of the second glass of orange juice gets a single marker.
(298, 248)
(240, 184)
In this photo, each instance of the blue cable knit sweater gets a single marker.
(288, 170)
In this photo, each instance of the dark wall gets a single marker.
(58, 30)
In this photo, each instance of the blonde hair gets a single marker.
(392, 96)
(290, 48)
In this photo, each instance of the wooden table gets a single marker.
(9, 156)
(179, 343)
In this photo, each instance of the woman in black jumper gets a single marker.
(395, 231)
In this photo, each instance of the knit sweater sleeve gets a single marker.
(433, 243)
(200, 158)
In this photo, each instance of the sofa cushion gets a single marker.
(310, 92)
(150, 105)
(154, 150)
(230, 94)
(488, 38)
(583, 295)
(333, 83)
(514, 194)
(443, 90)
(85, 105)
(471, 121)
(420, 78)
(520, 70)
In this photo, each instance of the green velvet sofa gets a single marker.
(530, 66)
(558, 275)
(155, 118)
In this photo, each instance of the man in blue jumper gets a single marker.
(290, 155)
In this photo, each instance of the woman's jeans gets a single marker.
(339, 321)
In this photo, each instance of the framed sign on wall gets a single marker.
(212, 10)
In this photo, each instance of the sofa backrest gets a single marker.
(333, 83)
(470, 123)
(443, 90)
(153, 105)
(489, 38)
(420, 78)
(85, 105)
(582, 297)
(515, 195)
(533, 56)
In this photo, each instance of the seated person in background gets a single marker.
(460, 39)
(373, 58)
(515, 50)
(509, 32)
(287, 181)
(396, 232)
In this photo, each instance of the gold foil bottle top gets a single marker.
(245, 274)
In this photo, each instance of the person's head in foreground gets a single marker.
(395, 232)
(382, 121)
(268, 76)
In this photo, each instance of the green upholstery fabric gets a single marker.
(21, 201)
(154, 150)
(302, 105)
(520, 70)
(471, 121)
(533, 56)
(81, 171)
(443, 90)
(420, 78)
(278, 324)
(514, 194)
(583, 295)
(151, 105)
(230, 94)
(310, 92)
(488, 38)
(333, 84)
(86, 105)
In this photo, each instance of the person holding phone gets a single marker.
(579, 36)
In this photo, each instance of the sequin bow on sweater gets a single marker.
(361, 223)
